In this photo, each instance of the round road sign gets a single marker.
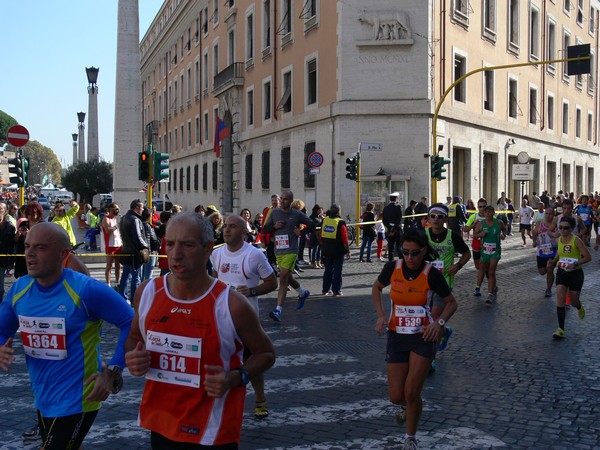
(17, 136)
(315, 159)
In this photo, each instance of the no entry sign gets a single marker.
(17, 136)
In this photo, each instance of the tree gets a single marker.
(87, 179)
(42, 161)
(6, 122)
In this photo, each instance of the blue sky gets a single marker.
(46, 47)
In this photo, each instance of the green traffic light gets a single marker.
(160, 166)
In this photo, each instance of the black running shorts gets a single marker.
(68, 432)
(399, 347)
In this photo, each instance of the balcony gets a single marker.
(229, 77)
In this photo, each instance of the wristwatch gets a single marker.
(118, 378)
(441, 322)
(244, 377)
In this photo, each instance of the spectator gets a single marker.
(335, 247)
(368, 232)
(135, 247)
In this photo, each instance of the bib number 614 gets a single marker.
(172, 363)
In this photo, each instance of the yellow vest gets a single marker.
(452, 209)
(329, 228)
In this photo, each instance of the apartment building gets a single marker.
(291, 78)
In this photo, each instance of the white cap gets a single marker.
(395, 194)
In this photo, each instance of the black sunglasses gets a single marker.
(437, 216)
(414, 254)
(564, 228)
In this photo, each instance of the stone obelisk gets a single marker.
(128, 106)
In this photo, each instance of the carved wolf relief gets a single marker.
(387, 24)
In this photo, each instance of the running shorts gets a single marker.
(573, 279)
(59, 433)
(399, 347)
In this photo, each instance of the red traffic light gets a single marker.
(143, 156)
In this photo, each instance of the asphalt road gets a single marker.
(503, 382)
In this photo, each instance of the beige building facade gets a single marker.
(297, 79)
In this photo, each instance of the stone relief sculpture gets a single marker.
(387, 25)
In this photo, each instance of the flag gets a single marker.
(221, 132)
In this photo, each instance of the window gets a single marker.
(216, 11)
(590, 126)
(285, 168)
(215, 175)
(565, 118)
(285, 104)
(287, 13)
(190, 80)
(267, 100)
(205, 20)
(182, 138)
(566, 43)
(231, 47)
(567, 7)
(592, 21)
(550, 112)
(579, 77)
(311, 82)
(197, 79)
(174, 180)
(266, 24)
(591, 81)
(489, 19)
(248, 172)
(250, 108)
(265, 169)
(175, 134)
(198, 136)
(181, 179)
(249, 37)
(460, 69)
(578, 123)
(532, 106)
(488, 90)
(196, 177)
(182, 92)
(309, 180)
(189, 132)
(215, 59)
(460, 12)
(513, 25)
(205, 72)
(551, 46)
(174, 106)
(513, 105)
(534, 34)
(206, 138)
(205, 176)
(188, 178)
(579, 18)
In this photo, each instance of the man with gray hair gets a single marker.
(334, 247)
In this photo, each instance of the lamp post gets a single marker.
(74, 136)
(92, 76)
(81, 126)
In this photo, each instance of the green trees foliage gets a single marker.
(87, 179)
(6, 122)
(42, 161)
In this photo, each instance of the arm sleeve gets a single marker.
(269, 225)
(102, 302)
(438, 283)
(71, 213)
(9, 323)
(386, 273)
(344, 234)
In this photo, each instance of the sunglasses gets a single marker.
(481, 206)
(437, 216)
(59, 210)
(564, 228)
(414, 254)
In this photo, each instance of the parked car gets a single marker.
(44, 202)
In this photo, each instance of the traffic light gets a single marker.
(437, 167)
(144, 166)
(17, 170)
(578, 67)
(160, 166)
(25, 172)
(353, 167)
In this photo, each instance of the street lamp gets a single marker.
(93, 146)
(81, 152)
(74, 136)
(92, 76)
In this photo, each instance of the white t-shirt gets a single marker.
(246, 267)
(525, 214)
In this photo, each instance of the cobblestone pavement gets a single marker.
(502, 382)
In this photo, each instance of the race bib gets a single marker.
(44, 337)
(174, 359)
(585, 217)
(489, 248)
(410, 319)
(563, 263)
(282, 241)
(439, 265)
(546, 249)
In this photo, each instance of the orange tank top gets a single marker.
(410, 299)
(183, 337)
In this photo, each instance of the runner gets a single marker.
(491, 231)
(412, 335)
(243, 266)
(525, 214)
(572, 254)
(476, 243)
(285, 223)
(544, 235)
(584, 212)
(446, 243)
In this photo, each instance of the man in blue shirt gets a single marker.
(60, 313)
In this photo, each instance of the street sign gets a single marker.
(522, 172)
(315, 159)
(314, 170)
(17, 136)
(370, 147)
